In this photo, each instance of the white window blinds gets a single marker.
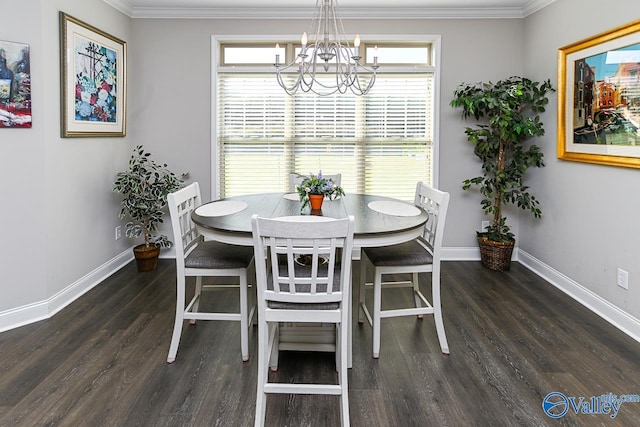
(380, 143)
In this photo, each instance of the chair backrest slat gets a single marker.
(185, 234)
(308, 257)
(435, 203)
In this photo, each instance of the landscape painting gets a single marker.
(606, 105)
(599, 98)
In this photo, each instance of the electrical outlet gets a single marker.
(623, 278)
(485, 224)
(118, 232)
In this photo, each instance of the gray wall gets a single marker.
(591, 224)
(61, 214)
(58, 212)
(23, 254)
(177, 53)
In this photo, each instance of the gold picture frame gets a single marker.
(599, 98)
(93, 81)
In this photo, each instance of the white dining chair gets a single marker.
(421, 255)
(302, 277)
(295, 179)
(198, 258)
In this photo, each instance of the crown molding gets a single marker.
(535, 5)
(122, 6)
(347, 13)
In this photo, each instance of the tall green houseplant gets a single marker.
(508, 115)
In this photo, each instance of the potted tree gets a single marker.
(508, 111)
(145, 185)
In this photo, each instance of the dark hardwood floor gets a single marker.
(513, 339)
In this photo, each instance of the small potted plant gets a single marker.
(314, 188)
(509, 111)
(145, 186)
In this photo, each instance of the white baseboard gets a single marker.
(41, 310)
(603, 308)
(468, 254)
(460, 254)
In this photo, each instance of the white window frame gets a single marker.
(216, 67)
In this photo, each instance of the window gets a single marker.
(243, 54)
(382, 143)
(399, 54)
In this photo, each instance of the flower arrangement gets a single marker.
(317, 184)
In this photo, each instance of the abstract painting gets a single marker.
(15, 85)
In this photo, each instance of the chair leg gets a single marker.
(437, 311)
(416, 289)
(198, 295)
(244, 317)
(338, 349)
(263, 373)
(343, 377)
(377, 305)
(179, 320)
(253, 312)
(273, 348)
(361, 288)
(350, 317)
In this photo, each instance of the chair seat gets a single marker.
(216, 255)
(409, 253)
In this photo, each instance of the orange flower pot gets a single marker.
(315, 200)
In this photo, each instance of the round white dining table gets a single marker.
(379, 221)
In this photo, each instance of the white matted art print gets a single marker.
(93, 81)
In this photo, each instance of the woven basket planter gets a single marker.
(495, 255)
(146, 257)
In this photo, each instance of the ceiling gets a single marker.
(349, 9)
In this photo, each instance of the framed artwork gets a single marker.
(15, 85)
(93, 80)
(599, 98)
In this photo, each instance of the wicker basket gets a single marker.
(495, 255)
(146, 257)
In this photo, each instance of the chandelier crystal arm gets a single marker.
(326, 63)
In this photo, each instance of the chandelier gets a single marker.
(326, 63)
